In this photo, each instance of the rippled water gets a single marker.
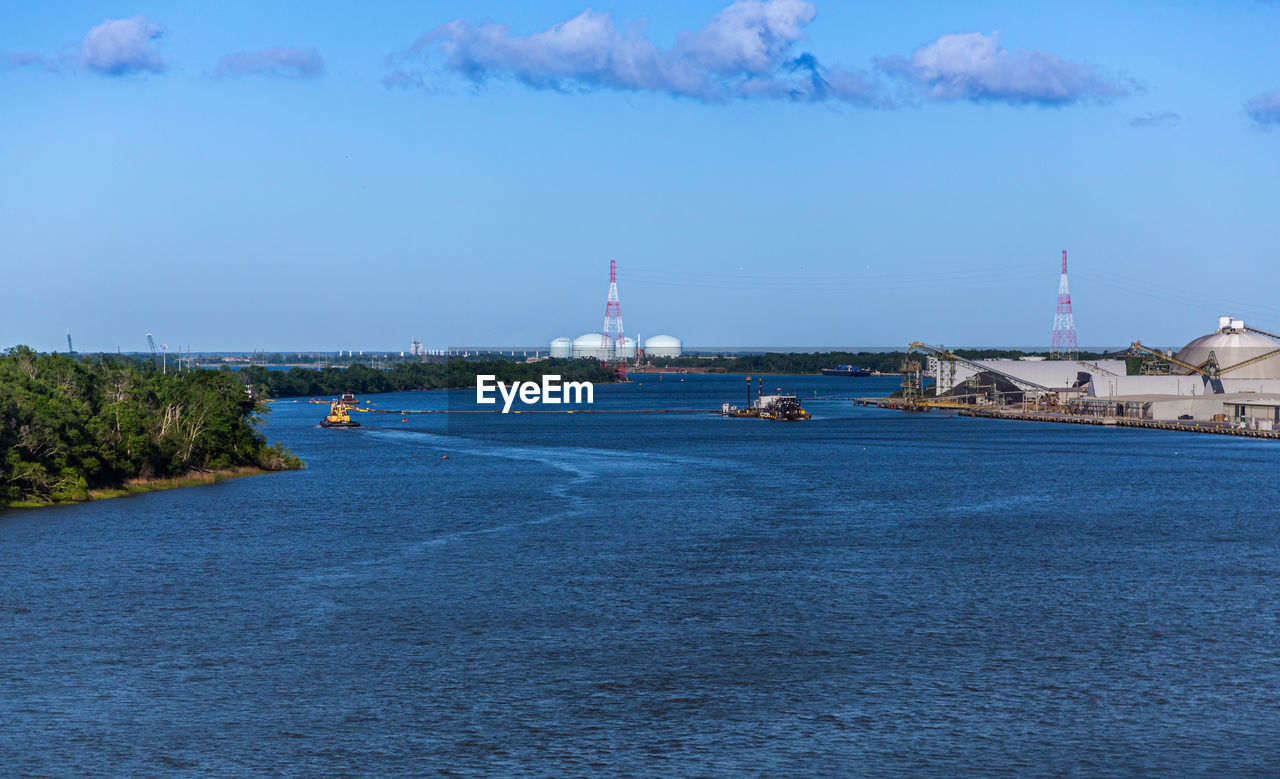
(869, 593)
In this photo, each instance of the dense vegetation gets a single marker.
(814, 362)
(68, 426)
(406, 376)
(778, 362)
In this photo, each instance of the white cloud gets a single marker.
(1265, 108)
(1156, 119)
(119, 47)
(26, 59)
(276, 61)
(744, 51)
(749, 51)
(974, 66)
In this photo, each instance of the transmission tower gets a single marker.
(611, 335)
(1064, 324)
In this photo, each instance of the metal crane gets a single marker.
(1260, 331)
(1096, 368)
(1251, 360)
(1207, 368)
(164, 363)
(1210, 368)
(946, 354)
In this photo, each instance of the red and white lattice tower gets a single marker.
(1064, 324)
(611, 335)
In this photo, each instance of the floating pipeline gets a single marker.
(404, 413)
(408, 411)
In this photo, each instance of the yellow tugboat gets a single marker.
(784, 408)
(339, 416)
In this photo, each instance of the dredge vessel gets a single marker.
(783, 408)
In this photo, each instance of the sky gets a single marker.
(790, 173)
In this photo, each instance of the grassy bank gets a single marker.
(141, 486)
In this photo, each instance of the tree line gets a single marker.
(71, 425)
(814, 362)
(409, 376)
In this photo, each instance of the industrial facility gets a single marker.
(611, 343)
(1230, 378)
(1225, 381)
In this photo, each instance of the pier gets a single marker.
(1190, 426)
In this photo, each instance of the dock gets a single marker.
(966, 410)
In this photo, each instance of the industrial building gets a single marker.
(1233, 344)
(1230, 375)
(1175, 386)
(1229, 378)
(1234, 359)
(1057, 374)
(1257, 411)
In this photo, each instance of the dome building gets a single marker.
(561, 347)
(662, 346)
(590, 345)
(1233, 343)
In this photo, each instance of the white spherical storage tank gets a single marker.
(662, 346)
(561, 347)
(590, 345)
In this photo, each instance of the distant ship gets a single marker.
(846, 370)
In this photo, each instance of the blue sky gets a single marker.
(342, 175)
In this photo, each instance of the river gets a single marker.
(870, 592)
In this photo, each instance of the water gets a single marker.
(871, 592)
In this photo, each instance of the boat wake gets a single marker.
(581, 464)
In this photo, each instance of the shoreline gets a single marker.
(699, 371)
(1017, 415)
(143, 486)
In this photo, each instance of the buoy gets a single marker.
(444, 457)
